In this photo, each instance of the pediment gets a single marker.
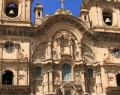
(63, 19)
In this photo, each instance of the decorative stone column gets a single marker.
(98, 83)
(49, 48)
(71, 50)
(115, 80)
(54, 53)
(39, 86)
(83, 80)
(15, 76)
(63, 91)
(1, 8)
(79, 48)
(41, 89)
(23, 9)
(59, 52)
(31, 79)
(51, 81)
(76, 55)
(46, 82)
(104, 78)
(28, 10)
(1, 73)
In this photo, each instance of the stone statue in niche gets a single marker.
(89, 56)
(77, 77)
(89, 60)
(56, 77)
(39, 53)
(65, 43)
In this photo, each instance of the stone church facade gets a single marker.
(60, 54)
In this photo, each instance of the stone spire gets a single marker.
(39, 5)
(38, 2)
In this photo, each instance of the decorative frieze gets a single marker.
(108, 37)
(41, 30)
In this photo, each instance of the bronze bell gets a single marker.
(11, 13)
(108, 21)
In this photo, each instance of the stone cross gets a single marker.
(62, 3)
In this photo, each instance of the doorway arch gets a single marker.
(7, 77)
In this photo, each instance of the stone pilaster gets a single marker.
(104, 79)
(1, 9)
(28, 8)
(0, 74)
(98, 83)
(51, 81)
(83, 80)
(49, 48)
(46, 83)
(23, 9)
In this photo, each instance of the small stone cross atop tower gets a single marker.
(62, 3)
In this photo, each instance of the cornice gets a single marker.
(34, 32)
(41, 30)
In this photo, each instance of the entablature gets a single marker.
(113, 90)
(6, 88)
(34, 31)
(108, 37)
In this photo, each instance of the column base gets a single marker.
(51, 93)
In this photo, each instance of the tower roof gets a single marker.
(39, 5)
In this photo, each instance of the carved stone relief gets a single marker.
(77, 77)
(88, 54)
(77, 74)
(39, 53)
(65, 43)
(56, 77)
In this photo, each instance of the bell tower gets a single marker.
(15, 12)
(103, 14)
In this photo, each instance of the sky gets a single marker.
(50, 6)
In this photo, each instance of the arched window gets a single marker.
(7, 77)
(66, 72)
(38, 14)
(118, 79)
(90, 73)
(38, 71)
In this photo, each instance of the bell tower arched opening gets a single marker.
(7, 77)
(11, 10)
(107, 17)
